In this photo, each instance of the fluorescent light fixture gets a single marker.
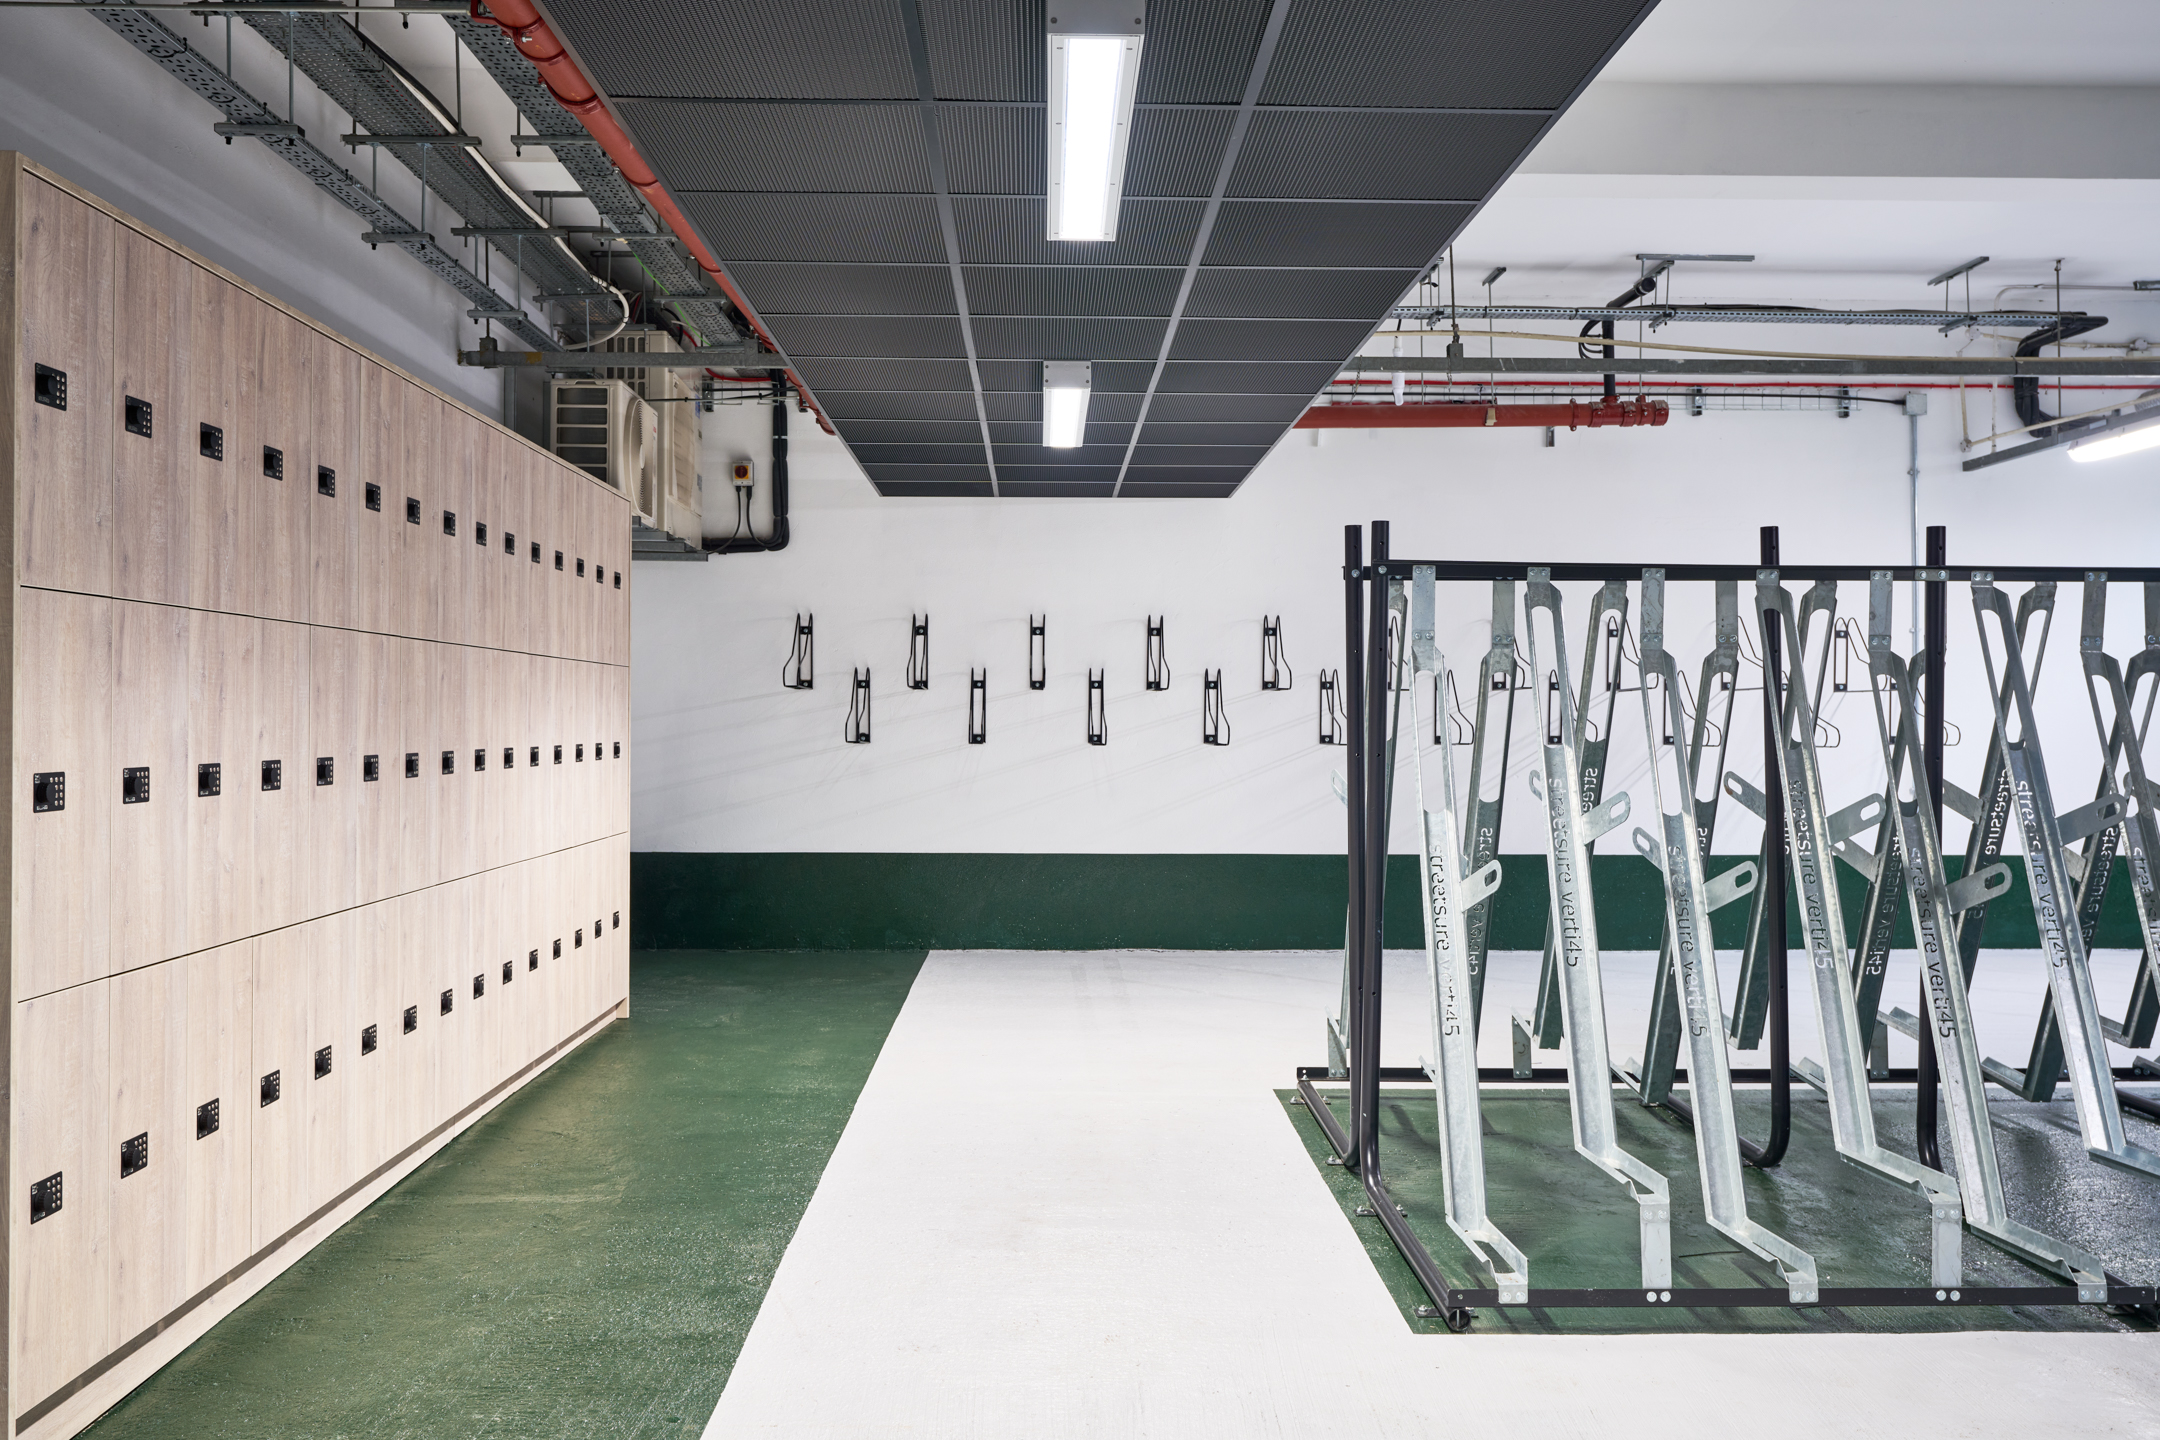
(1065, 401)
(2122, 442)
(1094, 68)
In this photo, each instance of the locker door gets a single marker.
(63, 829)
(484, 669)
(407, 446)
(617, 729)
(150, 788)
(454, 522)
(411, 927)
(374, 1114)
(383, 597)
(452, 755)
(341, 845)
(277, 472)
(146, 417)
(618, 889)
(222, 777)
(278, 887)
(415, 847)
(487, 573)
(340, 529)
(332, 1064)
(208, 432)
(145, 1147)
(60, 1274)
(509, 939)
(452, 965)
(64, 498)
(278, 1090)
(217, 1111)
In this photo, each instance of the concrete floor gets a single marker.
(1070, 1203)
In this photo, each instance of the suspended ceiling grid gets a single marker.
(872, 174)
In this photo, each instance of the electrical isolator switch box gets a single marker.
(45, 1198)
(740, 476)
(206, 1119)
(134, 1154)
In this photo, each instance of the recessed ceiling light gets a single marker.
(1094, 71)
(1066, 384)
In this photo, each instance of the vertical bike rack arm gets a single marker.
(1572, 920)
(1450, 888)
(2141, 836)
(1934, 904)
(2077, 1015)
(1481, 820)
(1691, 954)
(1608, 611)
(1342, 1032)
(1852, 1117)
(1397, 618)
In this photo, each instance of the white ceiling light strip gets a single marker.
(1066, 386)
(1094, 74)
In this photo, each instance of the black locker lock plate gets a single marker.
(50, 387)
(558, 559)
(509, 972)
(135, 415)
(367, 1041)
(412, 511)
(449, 522)
(535, 760)
(577, 940)
(412, 764)
(618, 579)
(273, 463)
(326, 481)
(135, 785)
(272, 1086)
(373, 497)
(48, 791)
(618, 750)
(206, 1119)
(209, 779)
(273, 774)
(536, 552)
(558, 754)
(581, 567)
(45, 1198)
(370, 768)
(134, 1154)
(532, 960)
(479, 986)
(510, 543)
(479, 759)
(449, 762)
(509, 758)
(325, 770)
(412, 1018)
(479, 532)
(322, 1062)
(210, 442)
(581, 754)
(558, 950)
(449, 999)
(618, 921)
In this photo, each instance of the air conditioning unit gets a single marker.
(603, 428)
(677, 504)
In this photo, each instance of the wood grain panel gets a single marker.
(279, 889)
(150, 838)
(63, 476)
(224, 665)
(219, 1165)
(59, 1279)
(221, 328)
(63, 725)
(342, 557)
(277, 507)
(152, 513)
(147, 1084)
(283, 1024)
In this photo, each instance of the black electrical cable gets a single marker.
(2025, 389)
(779, 537)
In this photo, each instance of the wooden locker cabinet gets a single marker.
(201, 581)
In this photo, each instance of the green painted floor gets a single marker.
(584, 1261)
(1578, 1229)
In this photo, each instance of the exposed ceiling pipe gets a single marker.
(2025, 389)
(1575, 414)
(538, 43)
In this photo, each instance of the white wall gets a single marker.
(77, 98)
(729, 761)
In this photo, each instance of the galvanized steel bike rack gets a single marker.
(1460, 872)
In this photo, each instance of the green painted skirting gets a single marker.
(818, 901)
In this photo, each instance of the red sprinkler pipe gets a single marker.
(1574, 414)
(567, 83)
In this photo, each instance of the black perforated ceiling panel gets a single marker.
(872, 173)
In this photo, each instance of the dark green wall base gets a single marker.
(817, 901)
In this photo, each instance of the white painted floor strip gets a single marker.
(1068, 1204)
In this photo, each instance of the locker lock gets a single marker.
(412, 1018)
(272, 1083)
(536, 552)
(412, 764)
(370, 768)
(577, 939)
(449, 762)
(326, 481)
(206, 1119)
(618, 921)
(596, 931)
(509, 542)
(325, 770)
(535, 758)
(45, 1198)
(509, 757)
(449, 522)
(558, 559)
(479, 986)
(373, 497)
(618, 750)
(210, 442)
(209, 779)
(135, 415)
(558, 949)
(134, 1154)
(449, 999)
(532, 960)
(479, 759)
(48, 791)
(580, 567)
(322, 1062)
(618, 579)
(273, 463)
(367, 1041)
(480, 532)
(135, 785)
(412, 511)
(581, 754)
(273, 774)
(558, 754)
(509, 972)
(50, 387)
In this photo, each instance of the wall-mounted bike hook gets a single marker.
(1158, 664)
(1214, 724)
(1331, 715)
(918, 652)
(978, 705)
(1274, 670)
(1098, 710)
(858, 710)
(800, 672)
(1038, 653)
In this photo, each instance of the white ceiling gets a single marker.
(1934, 42)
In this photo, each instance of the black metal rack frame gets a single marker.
(1365, 668)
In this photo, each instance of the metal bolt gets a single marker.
(1334, 1159)
(1428, 1312)
(1366, 1210)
